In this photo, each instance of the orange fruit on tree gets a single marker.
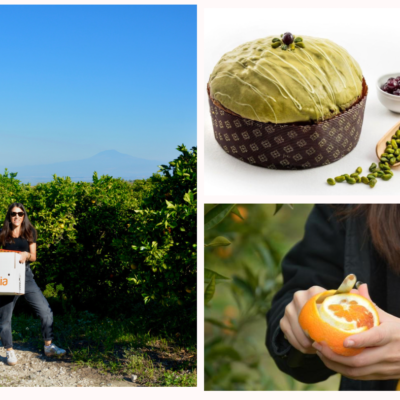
(331, 317)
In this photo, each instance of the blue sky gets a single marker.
(77, 80)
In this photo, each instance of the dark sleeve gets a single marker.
(317, 259)
(34, 235)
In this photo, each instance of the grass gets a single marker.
(118, 347)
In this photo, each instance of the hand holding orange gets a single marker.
(289, 324)
(333, 316)
(381, 358)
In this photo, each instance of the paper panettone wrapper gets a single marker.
(288, 146)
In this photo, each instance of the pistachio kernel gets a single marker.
(300, 44)
(365, 180)
(350, 181)
(276, 40)
(276, 44)
(373, 167)
(298, 39)
(331, 181)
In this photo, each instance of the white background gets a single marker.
(368, 35)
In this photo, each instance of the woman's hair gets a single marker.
(383, 223)
(28, 232)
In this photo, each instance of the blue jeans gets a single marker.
(35, 298)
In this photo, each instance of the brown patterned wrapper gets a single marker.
(288, 146)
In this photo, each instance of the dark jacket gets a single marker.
(330, 250)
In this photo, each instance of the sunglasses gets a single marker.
(20, 214)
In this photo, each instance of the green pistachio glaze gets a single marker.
(307, 84)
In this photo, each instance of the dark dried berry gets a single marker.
(287, 38)
(392, 84)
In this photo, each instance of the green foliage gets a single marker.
(249, 274)
(183, 380)
(212, 218)
(163, 233)
(76, 224)
(108, 245)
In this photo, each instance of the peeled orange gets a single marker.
(338, 316)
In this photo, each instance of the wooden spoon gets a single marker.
(381, 146)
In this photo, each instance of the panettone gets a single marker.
(309, 88)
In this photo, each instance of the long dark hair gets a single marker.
(383, 223)
(27, 229)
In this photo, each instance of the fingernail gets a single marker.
(348, 343)
(358, 284)
(317, 346)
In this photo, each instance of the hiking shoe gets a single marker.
(11, 357)
(53, 350)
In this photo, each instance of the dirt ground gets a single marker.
(34, 369)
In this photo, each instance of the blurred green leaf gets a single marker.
(210, 290)
(218, 241)
(217, 214)
(266, 256)
(242, 284)
(277, 208)
(251, 277)
(239, 377)
(236, 211)
(225, 351)
(219, 324)
(208, 275)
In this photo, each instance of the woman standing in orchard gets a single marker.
(18, 234)
(340, 240)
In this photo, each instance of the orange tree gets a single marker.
(162, 235)
(110, 246)
(77, 223)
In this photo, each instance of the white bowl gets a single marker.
(390, 101)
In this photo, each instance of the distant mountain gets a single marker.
(109, 162)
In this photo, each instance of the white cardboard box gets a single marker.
(12, 274)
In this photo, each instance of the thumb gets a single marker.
(364, 292)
